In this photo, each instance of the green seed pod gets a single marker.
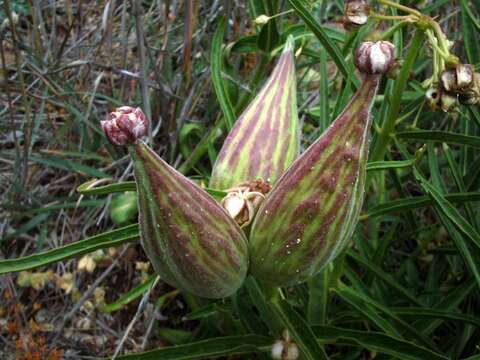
(190, 240)
(265, 139)
(311, 212)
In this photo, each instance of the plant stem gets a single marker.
(380, 146)
(392, 30)
(390, 17)
(401, 7)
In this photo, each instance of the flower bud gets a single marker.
(125, 125)
(262, 19)
(432, 97)
(469, 98)
(460, 79)
(375, 57)
(356, 14)
(285, 348)
(448, 102)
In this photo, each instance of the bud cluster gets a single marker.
(460, 85)
(125, 125)
(375, 57)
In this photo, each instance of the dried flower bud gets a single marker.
(87, 263)
(459, 80)
(375, 57)
(125, 125)
(356, 14)
(448, 102)
(262, 19)
(469, 98)
(243, 201)
(394, 71)
(433, 97)
(285, 348)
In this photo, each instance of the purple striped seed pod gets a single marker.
(309, 215)
(265, 139)
(191, 241)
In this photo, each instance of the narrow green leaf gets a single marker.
(458, 228)
(385, 165)
(300, 331)
(436, 314)
(391, 323)
(388, 127)
(87, 189)
(356, 303)
(324, 105)
(112, 238)
(416, 202)
(449, 210)
(269, 317)
(217, 80)
(440, 136)
(389, 279)
(375, 341)
(133, 294)
(469, 25)
(448, 302)
(269, 37)
(31, 224)
(320, 33)
(207, 349)
(68, 165)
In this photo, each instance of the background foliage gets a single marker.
(407, 288)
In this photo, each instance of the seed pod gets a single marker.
(265, 139)
(311, 212)
(190, 240)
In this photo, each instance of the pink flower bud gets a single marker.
(125, 125)
(375, 57)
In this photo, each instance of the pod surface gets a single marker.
(191, 241)
(265, 139)
(311, 212)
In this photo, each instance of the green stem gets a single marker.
(401, 7)
(392, 30)
(388, 127)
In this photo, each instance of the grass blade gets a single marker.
(320, 33)
(440, 136)
(217, 80)
(206, 349)
(375, 341)
(300, 331)
(112, 238)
